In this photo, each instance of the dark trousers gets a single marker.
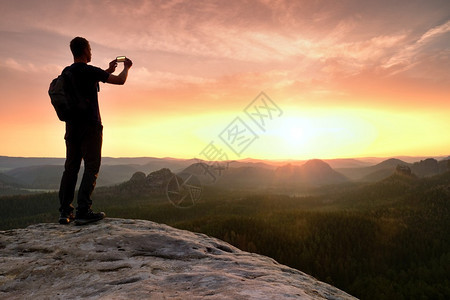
(83, 142)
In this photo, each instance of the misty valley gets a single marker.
(375, 228)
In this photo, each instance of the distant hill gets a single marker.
(372, 173)
(6, 180)
(39, 177)
(260, 164)
(312, 173)
(247, 177)
(8, 163)
(378, 175)
(348, 163)
(174, 164)
(231, 175)
(424, 168)
(383, 169)
(10, 186)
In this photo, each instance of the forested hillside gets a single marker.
(385, 240)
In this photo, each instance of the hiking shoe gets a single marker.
(66, 218)
(88, 217)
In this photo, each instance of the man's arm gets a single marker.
(122, 77)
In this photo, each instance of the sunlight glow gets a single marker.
(309, 133)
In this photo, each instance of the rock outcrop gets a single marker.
(154, 183)
(403, 170)
(136, 259)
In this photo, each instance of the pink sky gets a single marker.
(354, 78)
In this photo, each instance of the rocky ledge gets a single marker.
(136, 259)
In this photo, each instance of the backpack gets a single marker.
(64, 95)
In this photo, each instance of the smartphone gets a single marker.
(121, 58)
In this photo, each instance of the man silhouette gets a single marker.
(84, 132)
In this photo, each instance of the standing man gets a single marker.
(84, 134)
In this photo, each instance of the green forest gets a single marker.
(384, 240)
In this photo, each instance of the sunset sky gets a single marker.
(343, 78)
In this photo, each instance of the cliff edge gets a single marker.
(137, 259)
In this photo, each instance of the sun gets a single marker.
(292, 131)
(316, 134)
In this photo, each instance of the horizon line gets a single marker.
(244, 159)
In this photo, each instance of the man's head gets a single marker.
(81, 49)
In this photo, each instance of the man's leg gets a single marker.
(91, 148)
(69, 177)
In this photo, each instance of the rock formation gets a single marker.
(136, 259)
(403, 170)
(154, 183)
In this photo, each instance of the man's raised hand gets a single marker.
(127, 63)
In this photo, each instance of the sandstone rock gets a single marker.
(136, 259)
(138, 177)
(160, 177)
(154, 183)
(403, 170)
